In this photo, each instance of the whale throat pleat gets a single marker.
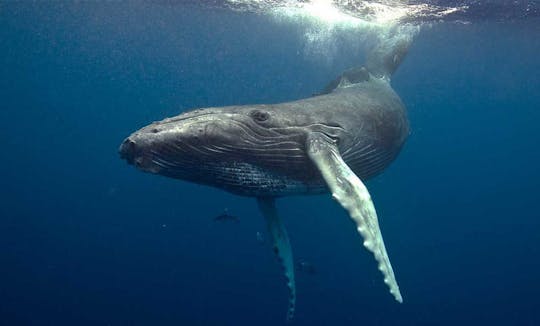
(352, 194)
(282, 247)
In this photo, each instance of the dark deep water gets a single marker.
(87, 240)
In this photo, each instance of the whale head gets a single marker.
(249, 150)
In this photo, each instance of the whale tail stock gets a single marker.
(384, 59)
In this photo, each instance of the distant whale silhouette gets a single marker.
(331, 142)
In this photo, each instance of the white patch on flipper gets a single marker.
(282, 247)
(353, 195)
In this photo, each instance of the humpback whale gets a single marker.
(330, 142)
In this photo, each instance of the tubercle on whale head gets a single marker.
(165, 139)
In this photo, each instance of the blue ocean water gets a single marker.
(87, 240)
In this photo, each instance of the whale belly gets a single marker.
(247, 179)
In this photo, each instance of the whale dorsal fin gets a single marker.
(348, 77)
(282, 247)
(352, 194)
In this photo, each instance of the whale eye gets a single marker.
(259, 116)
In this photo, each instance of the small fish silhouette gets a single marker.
(260, 237)
(225, 216)
(306, 267)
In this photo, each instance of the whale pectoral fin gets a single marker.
(282, 247)
(352, 194)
